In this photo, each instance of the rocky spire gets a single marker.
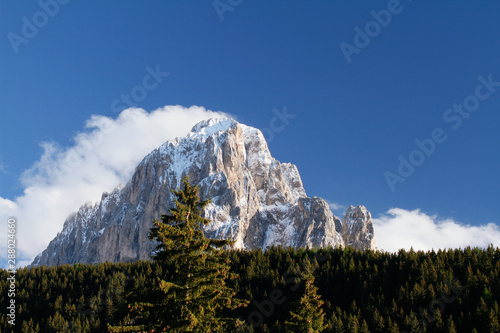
(357, 228)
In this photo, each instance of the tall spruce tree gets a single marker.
(195, 296)
(307, 316)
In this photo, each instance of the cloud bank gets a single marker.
(103, 156)
(400, 228)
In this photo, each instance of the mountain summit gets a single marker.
(256, 201)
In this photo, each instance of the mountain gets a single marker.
(357, 228)
(256, 201)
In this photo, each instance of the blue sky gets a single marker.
(355, 113)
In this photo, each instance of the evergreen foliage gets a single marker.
(307, 315)
(453, 290)
(195, 297)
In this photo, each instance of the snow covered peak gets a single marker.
(357, 212)
(257, 201)
(209, 127)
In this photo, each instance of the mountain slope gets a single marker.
(256, 200)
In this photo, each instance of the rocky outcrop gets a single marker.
(357, 228)
(256, 200)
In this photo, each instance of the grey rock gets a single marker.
(357, 228)
(256, 200)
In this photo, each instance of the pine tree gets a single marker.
(437, 321)
(364, 327)
(493, 325)
(352, 323)
(57, 323)
(335, 323)
(392, 326)
(29, 327)
(308, 316)
(195, 296)
(378, 321)
(450, 325)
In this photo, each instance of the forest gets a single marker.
(363, 291)
(195, 284)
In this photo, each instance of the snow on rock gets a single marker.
(357, 228)
(256, 200)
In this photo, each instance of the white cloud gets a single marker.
(102, 156)
(400, 228)
(336, 207)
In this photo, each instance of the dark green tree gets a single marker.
(335, 323)
(450, 326)
(308, 316)
(194, 297)
(494, 325)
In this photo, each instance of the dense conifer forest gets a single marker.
(194, 285)
(360, 291)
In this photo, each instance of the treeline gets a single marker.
(363, 291)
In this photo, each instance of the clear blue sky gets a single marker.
(352, 120)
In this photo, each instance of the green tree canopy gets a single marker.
(194, 297)
(307, 315)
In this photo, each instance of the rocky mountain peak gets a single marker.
(206, 128)
(256, 201)
(357, 228)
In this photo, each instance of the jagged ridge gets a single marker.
(256, 201)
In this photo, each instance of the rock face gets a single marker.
(357, 228)
(256, 201)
